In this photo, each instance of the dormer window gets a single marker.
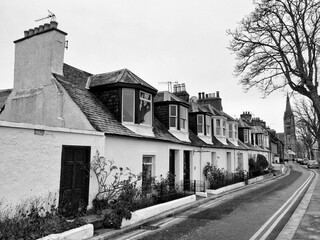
(140, 114)
(178, 118)
(203, 125)
(145, 108)
(173, 116)
(128, 100)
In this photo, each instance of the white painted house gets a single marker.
(57, 117)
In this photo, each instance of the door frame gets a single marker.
(62, 172)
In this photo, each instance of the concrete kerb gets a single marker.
(115, 233)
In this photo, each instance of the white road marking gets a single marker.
(286, 205)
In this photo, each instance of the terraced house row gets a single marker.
(57, 117)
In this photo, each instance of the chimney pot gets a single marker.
(41, 27)
(218, 95)
(175, 88)
(36, 30)
(26, 33)
(178, 88)
(31, 32)
(199, 95)
(46, 26)
(53, 24)
(207, 95)
(202, 95)
(213, 95)
(183, 87)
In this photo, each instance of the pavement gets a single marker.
(303, 224)
(305, 221)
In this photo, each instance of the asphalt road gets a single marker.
(239, 215)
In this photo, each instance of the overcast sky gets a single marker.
(158, 40)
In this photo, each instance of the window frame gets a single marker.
(246, 135)
(208, 125)
(148, 101)
(146, 186)
(182, 119)
(133, 105)
(224, 128)
(173, 116)
(218, 127)
(230, 130)
(200, 124)
(259, 139)
(236, 131)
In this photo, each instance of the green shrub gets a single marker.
(31, 220)
(262, 162)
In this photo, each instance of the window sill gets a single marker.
(181, 135)
(141, 129)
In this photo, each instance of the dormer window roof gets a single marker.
(120, 78)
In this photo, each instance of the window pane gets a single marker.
(172, 122)
(200, 124)
(173, 110)
(183, 118)
(146, 173)
(145, 108)
(173, 116)
(128, 105)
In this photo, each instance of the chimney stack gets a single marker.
(211, 99)
(181, 92)
(37, 55)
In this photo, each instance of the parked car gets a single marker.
(299, 160)
(304, 161)
(313, 164)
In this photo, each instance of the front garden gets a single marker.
(218, 178)
(120, 193)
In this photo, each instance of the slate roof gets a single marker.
(243, 124)
(167, 96)
(195, 107)
(120, 76)
(212, 109)
(4, 94)
(74, 82)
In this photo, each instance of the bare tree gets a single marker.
(278, 45)
(307, 124)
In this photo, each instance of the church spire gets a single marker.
(288, 112)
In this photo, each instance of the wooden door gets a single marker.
(74, 183)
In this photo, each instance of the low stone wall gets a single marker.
(226, 188)
(80, 233)
(156, 209)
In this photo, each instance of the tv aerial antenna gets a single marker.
(50, 15)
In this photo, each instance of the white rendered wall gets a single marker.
(128, 152)
(31, 164)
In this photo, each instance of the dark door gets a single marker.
(186, 170)
(74, 184)
(172, 169)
